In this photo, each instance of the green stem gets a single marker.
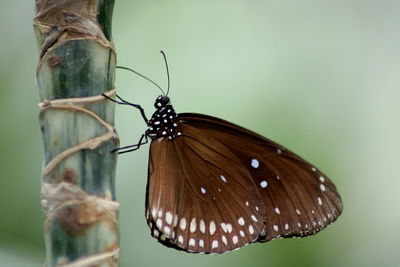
(76, 65)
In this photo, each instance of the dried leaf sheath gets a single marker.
(77, 65)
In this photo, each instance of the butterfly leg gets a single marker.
(124, 102)
(130, 148)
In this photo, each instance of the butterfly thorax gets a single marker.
(164, 122)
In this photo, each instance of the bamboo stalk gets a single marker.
(76, 65)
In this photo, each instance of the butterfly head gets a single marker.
(161, 101)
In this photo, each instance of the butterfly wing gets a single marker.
(220, 186)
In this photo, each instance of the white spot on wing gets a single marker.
(212, 227)
(159, 223)
(241, 221)
(214, 244)
(223, 238)
(223, 178)
(156, 233)
(319, 201)
(235, 239)
(168, 217)
(163, 237)
(322, 179)
(193, 225)
(263, 184)
(201, 243)
(167, 230)
(255, 163)
(192, 242)
(203, 190)
(229, 227)
(322, 187)
(251, 229)
(202, 226)
(276, 228)
(182, 224)
(153, 212)
(223, 226)
(277, 211)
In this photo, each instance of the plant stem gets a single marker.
(76, 65)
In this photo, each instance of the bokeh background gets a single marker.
(320, 77)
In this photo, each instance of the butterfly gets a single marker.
(214, 186)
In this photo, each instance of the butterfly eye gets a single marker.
(164, 100)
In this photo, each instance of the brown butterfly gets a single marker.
(214, 186)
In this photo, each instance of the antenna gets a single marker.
(141, 75)
(166, 65)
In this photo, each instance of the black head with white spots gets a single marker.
(164, 122)
(161, 102)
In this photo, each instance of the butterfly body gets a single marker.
(214, 186)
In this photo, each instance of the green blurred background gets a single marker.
(320, 77)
